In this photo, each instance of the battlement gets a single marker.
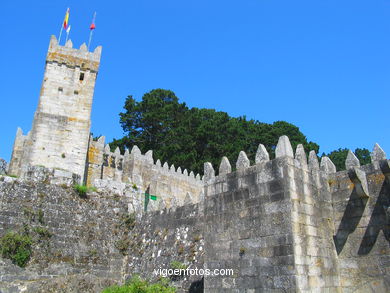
(307, 163)
(173, 186)
(73, 57)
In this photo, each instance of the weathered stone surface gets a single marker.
(300, 156)
(3, 166)
(149, 156)
(91, 246)
(313, 161)
(242, 161)
(327, 165)
(225, 167)
(209, 172)
(284, 148)
(378, 154)
(158, 163)
(358, 177)
(351, 161)
(261, 154)
(135, 150)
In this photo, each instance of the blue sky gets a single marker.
(321, 65)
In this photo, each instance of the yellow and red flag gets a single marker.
(66, 19)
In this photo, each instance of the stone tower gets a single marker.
(60, 132)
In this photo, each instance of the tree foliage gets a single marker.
(188, 137)
(339, 156)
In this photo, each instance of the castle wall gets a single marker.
(289, 225)
(315, 258)
(93, 244)
(18, 150)
(172, 185)
(248, 229)
(362, 230)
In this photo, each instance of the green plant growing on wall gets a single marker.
(177, 265)
(43, 233)
(16, 247)
(40, 217)
(138, 285)
(83, 189)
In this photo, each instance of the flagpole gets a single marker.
(59, 38)
(90, 38)
(62, 24)
(92, 27)
(67, 34)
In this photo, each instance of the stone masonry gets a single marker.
(60, 132)
(286, 224)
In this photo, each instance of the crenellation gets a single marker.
(313, 161)
(351, 161)
(300, 157)
(289, 224)
(224, 167)
(377, 154)
(327, 165)
(242, 161)
(284, 148)
(261, 154)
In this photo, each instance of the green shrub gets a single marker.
(81, 190)
(137, 285)
(16, 247)
(43, 232)
(176, 265)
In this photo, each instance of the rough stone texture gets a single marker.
(3, 166)
(283, 148)
(327, 165)
(242, 161)
(281, 227)
(93, 245)
(351, 161)
(209, 172)
(60, 131)
(362, 232)
(136, 168)
(313, 161)
(225, 167)
(261, 154)
(300, 156)
(378, 154)
(278, 230)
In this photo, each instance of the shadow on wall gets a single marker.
(379, 220)
(197, 286)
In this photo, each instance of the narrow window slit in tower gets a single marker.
(60, 89)
(76, 92)
(82, 76)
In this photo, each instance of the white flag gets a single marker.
(68, 29)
